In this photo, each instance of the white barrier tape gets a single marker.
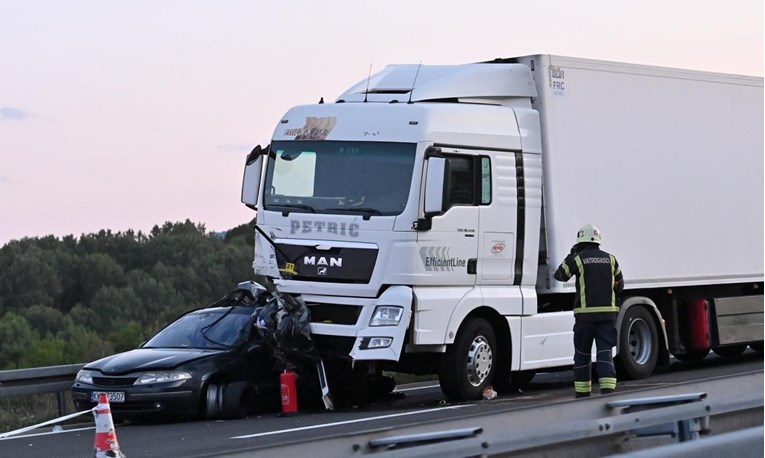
(49, 422)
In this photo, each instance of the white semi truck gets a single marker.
(422, 214)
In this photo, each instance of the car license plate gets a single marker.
(113, 396)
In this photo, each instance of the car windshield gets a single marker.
(368, 178)
(218, 327)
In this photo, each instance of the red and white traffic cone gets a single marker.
(106, 444)
(288, 382)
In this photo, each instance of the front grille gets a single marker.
(334, 313)
(114, 381)
(336, 346)
(334, 265)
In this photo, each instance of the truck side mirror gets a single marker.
(251, 181)
(434, 186)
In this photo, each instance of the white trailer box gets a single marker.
(667, 163)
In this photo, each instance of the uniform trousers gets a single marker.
(604, 334)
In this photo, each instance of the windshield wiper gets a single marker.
(300, 206)
(367, 211)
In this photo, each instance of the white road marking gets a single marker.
(347, 422)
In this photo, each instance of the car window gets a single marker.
(206, 328)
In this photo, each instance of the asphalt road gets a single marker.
(411, 404)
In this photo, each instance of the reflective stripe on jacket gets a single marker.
(598, 279)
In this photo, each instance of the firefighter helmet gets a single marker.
(588, 233)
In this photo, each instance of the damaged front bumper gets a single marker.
(378, 326)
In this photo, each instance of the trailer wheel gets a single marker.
(468, 365)
(638, 344)
(730, 350)
(691, 356)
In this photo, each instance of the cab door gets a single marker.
(498, 218)
(449, 250)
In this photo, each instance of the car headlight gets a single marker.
(84, 376)
(386, 315)
(162, 377)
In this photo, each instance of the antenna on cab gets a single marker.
(366, 93)
(414, 82)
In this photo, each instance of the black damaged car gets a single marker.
(209, 363)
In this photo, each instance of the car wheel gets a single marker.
(213, 401)
(468, 365)
(757, 347)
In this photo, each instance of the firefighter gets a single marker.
(598, 282)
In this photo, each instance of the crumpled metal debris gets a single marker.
(284, 322)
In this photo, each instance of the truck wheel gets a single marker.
(468, 365)
(638, 344)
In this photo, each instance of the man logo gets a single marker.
(323, 261)
(322, 271)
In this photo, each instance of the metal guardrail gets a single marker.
(39, 380)
(598, 426)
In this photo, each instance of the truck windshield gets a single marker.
(369, 178)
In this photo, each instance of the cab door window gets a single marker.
(468, 180)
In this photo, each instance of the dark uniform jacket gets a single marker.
(598, 281)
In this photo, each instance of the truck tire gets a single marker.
(468, 365)
(638, 344)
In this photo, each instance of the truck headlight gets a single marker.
(386, 315)
(84, 376)
(369, 343)
(162, 377)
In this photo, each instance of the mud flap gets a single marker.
(325, 396)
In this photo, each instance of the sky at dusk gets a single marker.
(125, 114)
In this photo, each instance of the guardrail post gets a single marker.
(685, 429)
(61, 400)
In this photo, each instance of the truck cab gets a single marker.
(398, 213)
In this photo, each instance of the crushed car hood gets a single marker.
(142, 359)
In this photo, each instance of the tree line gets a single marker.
(73, 300)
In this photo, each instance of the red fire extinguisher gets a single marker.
(288, 381)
